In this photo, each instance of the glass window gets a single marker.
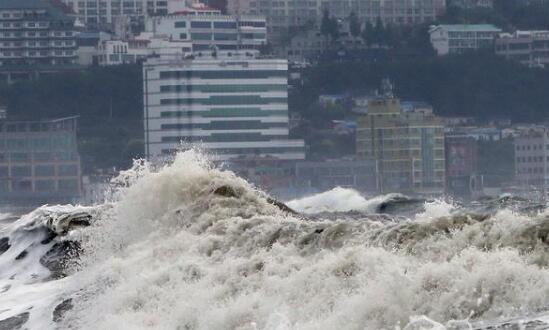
(44, 170)
(201, 25)
(67, 170)
(181, 24)
(224, 25)
(45, 185)
(19, 171)
(68, 185)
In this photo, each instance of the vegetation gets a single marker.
(108, 101)
(481, 85)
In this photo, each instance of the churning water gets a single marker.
(188, 246)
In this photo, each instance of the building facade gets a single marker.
(532, 157)
(283, 14)
(208, 30)
(461, 38)
(234, 106)
(527, 47)
(34, 34)
(408, 146)
(39, 160)
(462, 177)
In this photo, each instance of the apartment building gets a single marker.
(527, 47)
(34, 34)
(233, 104)
(532, 157)
(39, 160)
(460, 38)
(208, 29)
(282, 14)
(408, 146)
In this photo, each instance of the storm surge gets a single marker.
(189, 246)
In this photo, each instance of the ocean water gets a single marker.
(188, 246)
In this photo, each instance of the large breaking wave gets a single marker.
(189, 246)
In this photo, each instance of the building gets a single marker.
(326, 175)
(39, 160)
(116, 52)
(105, 13)
(460, 38)
(283, 14)
(471, 4)
(88, 46)
(233, 104)
(208, 29)
(462, 177)
(527, 47)
(408, 146)
(35, 36)
(532, 157)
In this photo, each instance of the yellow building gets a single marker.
(408, 146)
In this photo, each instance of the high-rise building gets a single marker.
(39, 160)
(207, 29)
(34, 34)
(233, 104)
(283, 14)
(408, 146)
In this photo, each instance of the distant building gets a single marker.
(234, 105)
(104, 13)
(462, 177)
(3, 112)
(283, 14)
(408, 146)
(471, 4)
(527, 47)
(532, 157)
(326, 175)
(88, 46)
(116, 52)
(39, 160)
(35, 36)
(460, 38)
(208, 29)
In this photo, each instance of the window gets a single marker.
(224, 25)
(201, 25)
(44, 170)
(181, 24)
(20, 171)
(67, 170)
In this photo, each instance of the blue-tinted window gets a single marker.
(201, 25)
(225, 25)
(181, 24)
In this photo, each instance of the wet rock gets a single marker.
(50, 235)
(14, 322)
(226, 191)
(61, 309)
(4, 244)
(22, 255)
(60, 256)
(283, 207)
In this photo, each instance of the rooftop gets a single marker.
(467, 27)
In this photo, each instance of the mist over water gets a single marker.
(188, 246)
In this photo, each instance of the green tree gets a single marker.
(354, 24)
(368, 33)
(325, 24)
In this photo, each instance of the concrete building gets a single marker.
(39, 160)
(233, 104)
(462, 177)
(284, 14)
(35, 36)
(532, 157)
(207, 29)
(460, 38)
(408, 146)
(471, 4)
(116, 52)
(527, 47)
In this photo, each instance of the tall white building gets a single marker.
(235, 105)
(532, 157)
(282, 14)
(459, 38)
(206, 29)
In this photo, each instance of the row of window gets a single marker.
(227, 74)
(42, 34)
(225, 112)
(531, 159)
(39, 171)
(65, 185)
(225, 137)
(226, 100)
(38, 144)
(34, 53)
(247, 151)
(223, 88)
(530, 170)
(224, 125)
(16, 157)
(531, 147)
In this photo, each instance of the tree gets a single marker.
(354, 24)
(325, 25)
(368, 33)
(379, 32)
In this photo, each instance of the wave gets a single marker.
(189, 246)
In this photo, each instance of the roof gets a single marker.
(467, 27)
(56, 9)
